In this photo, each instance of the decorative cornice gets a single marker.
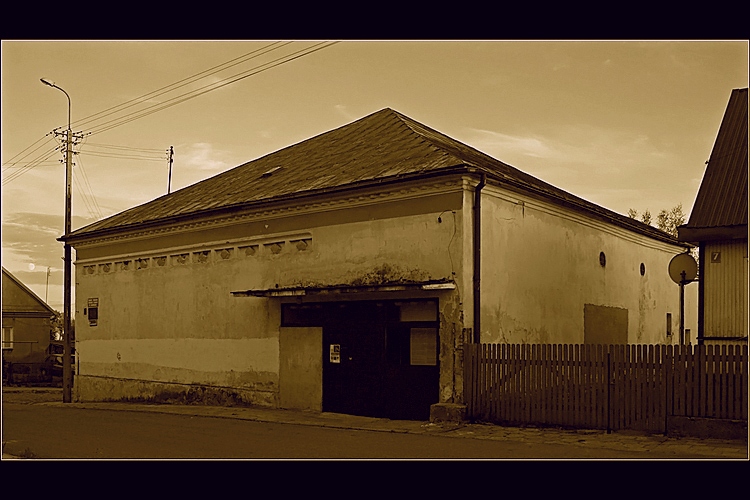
(198, 253)
(368, 197)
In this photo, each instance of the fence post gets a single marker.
(668, 387)
(468, 393)
(609, 390)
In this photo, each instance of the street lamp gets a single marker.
(67, 358)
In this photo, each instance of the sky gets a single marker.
(624, 124)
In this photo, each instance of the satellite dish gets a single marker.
(680, 263)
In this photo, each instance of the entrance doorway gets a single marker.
(380, 358)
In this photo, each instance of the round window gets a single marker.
(643, 269)
(602, 259)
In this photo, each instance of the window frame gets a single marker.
(7, 344)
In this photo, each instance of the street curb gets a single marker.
(599, 439)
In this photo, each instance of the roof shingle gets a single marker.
(380, 146)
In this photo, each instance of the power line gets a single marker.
(120, 152)
(8, 162)
(122, 156)
(32, 164)
(155, 93)
(82, 194)
(23, 164)
(97, 211)
(208, 88)
(127, 148)
(181, 83)
(170, 102)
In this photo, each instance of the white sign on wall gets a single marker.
(335, 353)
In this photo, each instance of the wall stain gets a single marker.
(384, 274)
(196, 395)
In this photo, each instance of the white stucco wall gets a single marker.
(177, 322)
(540, 266)
(174, 323)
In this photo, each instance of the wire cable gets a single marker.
(124, 148)
(207, 88)
(87, 185)
(82, 194)
(31, 165)
(122, 156)
(170, 102)
(132, 102)
(10, 162)
(181, 83)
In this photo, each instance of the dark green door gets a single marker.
(380, 358)
(412, 371)
(353, 358)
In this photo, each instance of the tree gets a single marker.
(57, 328)
(645, 217)
(667, 220)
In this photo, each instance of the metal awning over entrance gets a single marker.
(348, 289)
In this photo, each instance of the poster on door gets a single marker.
(335, 353)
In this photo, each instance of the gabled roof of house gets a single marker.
(35, 304)
(383, 146)
(722, 198)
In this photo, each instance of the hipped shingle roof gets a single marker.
(385, 145)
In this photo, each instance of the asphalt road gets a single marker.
(39, 431)
(37, 425)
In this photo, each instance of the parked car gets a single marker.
(55, 356)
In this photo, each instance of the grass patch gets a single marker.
(205, 396)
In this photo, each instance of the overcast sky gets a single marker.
(623, 124)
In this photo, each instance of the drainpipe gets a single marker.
(477, 254)
(701, 290)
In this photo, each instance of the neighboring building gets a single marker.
(344, 274)
(27, 321)
(718, 225)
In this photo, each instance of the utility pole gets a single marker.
(171, 156)
(46, 290)
(683, 282)
(67, 351)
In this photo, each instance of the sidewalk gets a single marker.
(592, 439)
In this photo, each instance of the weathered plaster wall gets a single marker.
(301, 368)
(541, 266)
(30, 322)
(165, 310)
(30, 339)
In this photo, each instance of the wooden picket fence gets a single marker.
(611, 387)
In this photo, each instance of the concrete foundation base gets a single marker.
(707, 428)
(90, 389)
(447, 412)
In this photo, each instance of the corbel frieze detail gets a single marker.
(434, 188)
(202, 254)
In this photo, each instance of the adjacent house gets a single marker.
(27, 323)
(345, 273)
(718, 225)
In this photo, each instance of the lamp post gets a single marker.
(67, 358)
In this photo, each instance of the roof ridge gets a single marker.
(413, 126)
(385, 144)
(28, 290)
